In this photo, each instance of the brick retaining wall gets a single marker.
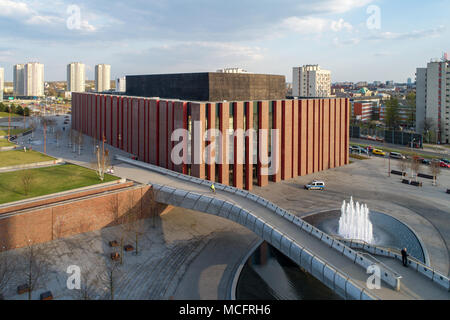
(87, 211)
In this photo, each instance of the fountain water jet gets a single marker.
(354, 222)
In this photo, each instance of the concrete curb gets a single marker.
(33, 165)
(237, 274)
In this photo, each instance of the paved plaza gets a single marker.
(211, 247)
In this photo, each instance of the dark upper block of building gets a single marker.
(208, 86)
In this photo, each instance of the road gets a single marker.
(445, 152)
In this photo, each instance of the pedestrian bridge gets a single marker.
(334, 263)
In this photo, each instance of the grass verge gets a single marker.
(44, 181)
(19, 157)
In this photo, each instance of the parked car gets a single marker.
(379, 152)
(442, 164)
(315, 185)
(445, 160)
(358, 149)
(396, 155)
(426, 162)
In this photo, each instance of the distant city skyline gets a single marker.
(357, 40)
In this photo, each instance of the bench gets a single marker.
(128, 248)
(47, 295)
(23, 289)
(113, 244)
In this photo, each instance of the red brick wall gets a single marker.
(313, 132)
(67, 218)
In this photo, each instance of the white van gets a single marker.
(315, 185)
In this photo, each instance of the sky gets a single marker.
(358, 40)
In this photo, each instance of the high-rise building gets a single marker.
(102, 77)
(19, 78)
(34, 79)
(121, 84)
(29, 79)
(76, 77)
(432, 100)
(2, 83)
(311, 81)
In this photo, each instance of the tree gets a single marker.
(429, 129)
(411, 102)
(7, 268)
(34, 267)
(102, 162)
(134, 221)
(26, 112)
(88, 285)
(392, 113)
(80, 142)
(19, 110)
(435, 169)
(27, 178)
(110, 276)
(58, 136)
(402, 165)
(415, 166)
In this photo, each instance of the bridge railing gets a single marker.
(416, 264)
(325, 272)
(387, 276)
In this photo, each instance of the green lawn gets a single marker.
(18, 157)
(4, 131)
(5, 143)
(6, 115)
(47, 181)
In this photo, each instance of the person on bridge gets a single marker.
(405, 257)
(213, 188)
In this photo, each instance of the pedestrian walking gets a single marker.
(405, 257)
(213, 188)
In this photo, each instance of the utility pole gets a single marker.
(45, 136)
(9, 123)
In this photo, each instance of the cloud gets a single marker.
(412, 35)
(10, 8)
(340, 25)
(332, 6)
(314, 25)
(346, 42)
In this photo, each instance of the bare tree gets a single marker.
(58, 136)
(88, 286)
(110, 276)
(7, 269)
(80, 139)
(135, 225)
(34, 267)
(415, 166)
(402, 165)
(94, 143)
(33, 127)
(73, 139)
(435, 169)
(27, 178)
(102, 162)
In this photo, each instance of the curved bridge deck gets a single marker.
(413, 284)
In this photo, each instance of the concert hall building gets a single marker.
(313, 134)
